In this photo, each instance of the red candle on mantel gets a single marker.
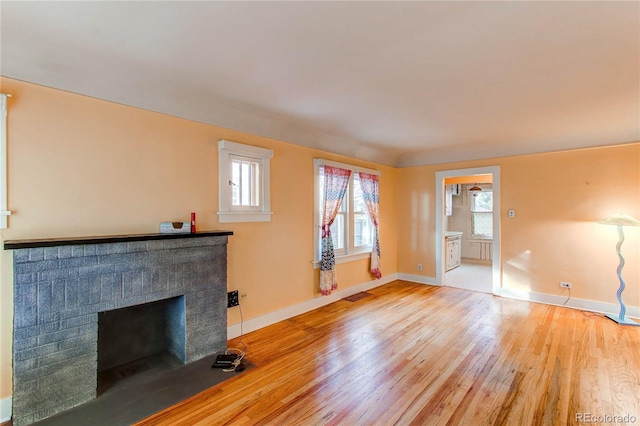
(193, 222)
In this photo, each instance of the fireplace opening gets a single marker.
(148, 338)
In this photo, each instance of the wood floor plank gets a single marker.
(418, 354)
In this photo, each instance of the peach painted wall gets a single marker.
(558, 198)
(79, 166)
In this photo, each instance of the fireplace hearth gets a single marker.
(62, 287)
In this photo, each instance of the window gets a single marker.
(352, 230)
(243, 183)
(481, 205)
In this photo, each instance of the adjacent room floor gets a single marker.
(470, 275)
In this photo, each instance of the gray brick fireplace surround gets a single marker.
(60, 287)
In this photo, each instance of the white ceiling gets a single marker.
(398, 83)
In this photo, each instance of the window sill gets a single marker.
(229, 217)
(346, 258)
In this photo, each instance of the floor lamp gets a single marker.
(621, 220)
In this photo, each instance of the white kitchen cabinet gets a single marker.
(453, 241)
(449, 192)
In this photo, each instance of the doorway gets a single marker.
(466, 274)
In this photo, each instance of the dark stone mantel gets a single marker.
(106, 239)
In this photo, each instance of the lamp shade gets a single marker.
(620, 219)
(475, 189)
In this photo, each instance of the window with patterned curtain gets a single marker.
(352, 231)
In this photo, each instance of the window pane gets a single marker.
(362, 226)
(482, 202)
(255, 184)
(363, 230)
(482, 223)
(337, 232)
(235, 183)
(245, 183)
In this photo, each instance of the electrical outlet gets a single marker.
(243, 296)
(419, 266)
(232, 299)
(565, 284)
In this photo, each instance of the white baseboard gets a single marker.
(548, 299)
(420, 279)
(582, 304)
(5, 409)
(291, 311)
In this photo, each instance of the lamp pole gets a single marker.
(620, 220)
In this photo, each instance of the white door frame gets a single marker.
(440, 258)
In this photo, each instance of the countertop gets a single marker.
(453, 234)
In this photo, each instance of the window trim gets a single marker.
(227, 150)
(4, 212)
(349, 256)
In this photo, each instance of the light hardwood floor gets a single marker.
(424, 355)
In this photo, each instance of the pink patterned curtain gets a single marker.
(370, 185)
(336, 181)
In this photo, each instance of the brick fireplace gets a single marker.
(62, 286)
